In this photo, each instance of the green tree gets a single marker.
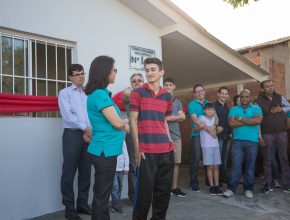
(238, 3)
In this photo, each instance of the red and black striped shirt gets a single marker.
(152, 108)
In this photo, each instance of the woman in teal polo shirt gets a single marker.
(107, 132)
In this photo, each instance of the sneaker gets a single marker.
(117, 210)
(218, 191)
(195, 188)
(276, 184)
(286, 189)
(249, 194)
(228, 193)
(177, 192)
(267, 188)
(212, 191)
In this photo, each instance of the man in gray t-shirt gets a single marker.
(173, 123)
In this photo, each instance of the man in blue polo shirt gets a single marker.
(244, 119)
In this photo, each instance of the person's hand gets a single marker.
(138, 157)
(88, 132)
(86, 138)
(262, 142)
(219, 129)
(276, 109)
(126, 172)
(182, 116)
(127, 128)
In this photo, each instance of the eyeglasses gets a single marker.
(79, 74)
(137, 81)
(199, 91)
(244, 97)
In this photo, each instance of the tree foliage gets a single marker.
(238, 3)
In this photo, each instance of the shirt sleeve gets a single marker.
(179, 106)
(103, 100)
(169, 107)
(232, 112)
(191, 109)
(135, 101)
(285, 105)
(258, 111)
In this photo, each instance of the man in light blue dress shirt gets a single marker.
(77, 133)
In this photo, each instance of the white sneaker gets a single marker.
(249, 194)
(228, 193)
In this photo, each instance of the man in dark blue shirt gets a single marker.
(222, 111)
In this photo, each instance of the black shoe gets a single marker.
(117, 210)
(84, 210)
(218, 191)
(212, 191)
(71, 214)
(267, 188)
(177, 192)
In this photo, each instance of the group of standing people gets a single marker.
(145, 141)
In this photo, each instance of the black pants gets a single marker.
(154, 179)
(105, 168)
(75, 157)
(132, 167)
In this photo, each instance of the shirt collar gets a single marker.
(73, 86)
(147, 87)
(108, 92)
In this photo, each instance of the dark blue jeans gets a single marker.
(117, 189)
(224, 150)
(243, 150)
(195, 158)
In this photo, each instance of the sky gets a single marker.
(252, 24)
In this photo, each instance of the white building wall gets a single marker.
(99, 27)
(30, 148)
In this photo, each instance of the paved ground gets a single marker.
(202, 206)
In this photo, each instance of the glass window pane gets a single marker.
(7, 49)
(60, 86)
(7, 84)
(34, 87)
(41, 87)
(33, 59)
(61, 63)
(26, 57)
(19, 85)
(51, 88)
(18, 57)
(51, 65)
(40, 53)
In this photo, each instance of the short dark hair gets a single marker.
(153, 60)
(99, 73)
(74, 67)
(168, 79)
(263, 82)
(235, 99)
(197, 85)
(208, 105)
(223, 87)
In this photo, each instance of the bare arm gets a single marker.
(112, 116)
(179, 117)
(256, 120)
(235, 123)
(134, 135)
(167, 128)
